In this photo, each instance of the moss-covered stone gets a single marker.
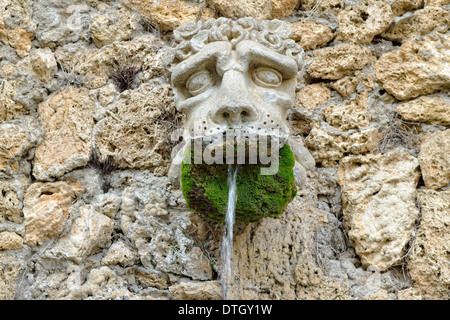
(205, 188)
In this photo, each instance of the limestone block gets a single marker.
(107, 28)
(399, 7)
(153, 279)
(433, 110)
(347, 85)
(18, 13)
(17, 137)
(44, 64)
(378, 195)
(94, 65)
(90, 232)
(136, 135)
(428, 262)
(60, 24)
(9, 274)
(9, 109)
(9, 203)
(67, 117)
(10, 241)
(327, 148)
(417, 68)
(18, 38)
(161, 238)
(169, 14)
(47, 207)
(434, 159)
(120, 253)
(335, 62)
(352, 115)
(420, 23)
(311, 35)
(108, 205)
(258, 9)
(209, 290)
(12, 141)
(361, 22)
(313, 95)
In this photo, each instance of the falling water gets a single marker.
(227, 239)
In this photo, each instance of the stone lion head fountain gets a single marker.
(236, 78)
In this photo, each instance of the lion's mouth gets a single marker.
(233, 146)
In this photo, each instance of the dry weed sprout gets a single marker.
(103, 167)
(123, 74)
(69, 77)
(399, 133)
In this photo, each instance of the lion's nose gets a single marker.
(234, 103)
(234, 114)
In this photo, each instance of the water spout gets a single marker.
(227, 239)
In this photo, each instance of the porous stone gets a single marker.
(209, 290)
(333, 63)
(169, 14)
(280, 252)
(399, 7)
(378, 196)
(9, 109)
(9, 273)
(18, 38)
(347, 85)
(96, 65)
(90, 232)
(120, 253)
(312, 96)
(434, 110)
(161, 238)
(311, 35)
(327, 148)
(17, 137)
(47, 207)
(417, 68)
(108, 205)
(10, 241)
(113, 26)
(61, 23)
(420, 23)
(18, 14)
(10, 208)
(352, 115)
(258, 9)
(324, 6)
(44, 64)
(361, 22)
(434, 160)
(158, 280)
(67, 117)
(136, 134)
(428, 262)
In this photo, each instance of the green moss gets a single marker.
(258, 196)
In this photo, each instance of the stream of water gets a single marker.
(227, 239)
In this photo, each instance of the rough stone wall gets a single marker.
(87, 210)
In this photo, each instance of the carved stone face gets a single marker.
(249, 87)
(235, 74)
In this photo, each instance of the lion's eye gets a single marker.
(267, 77)
(199, 82)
